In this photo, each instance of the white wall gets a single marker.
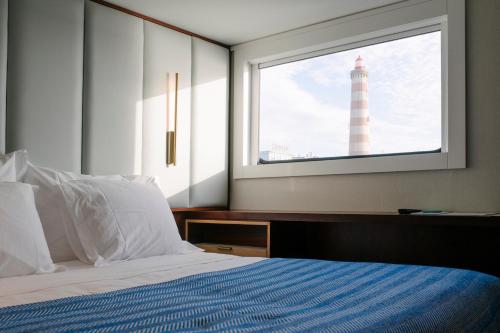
(476, 188)
(112, 113)
(45, 81)
(166, 51)
(209, 125)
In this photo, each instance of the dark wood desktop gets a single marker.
(470, 242)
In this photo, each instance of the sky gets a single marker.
(305, 105)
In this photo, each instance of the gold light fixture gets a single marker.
(171, 134)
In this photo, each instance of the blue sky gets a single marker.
(305, 105)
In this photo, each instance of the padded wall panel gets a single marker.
(166, 51)
(44, 81)
(112, 118)
(3, 70)
(209, 125)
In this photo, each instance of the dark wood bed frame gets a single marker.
(471, 242)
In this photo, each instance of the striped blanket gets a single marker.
(281, 295)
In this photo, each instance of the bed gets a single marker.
(203, 292)
(129, 270)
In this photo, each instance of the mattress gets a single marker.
(76, 278)
(272, 295)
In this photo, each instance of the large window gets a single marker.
(378, 99)
(378, 91)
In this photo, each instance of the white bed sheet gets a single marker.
(78, 278)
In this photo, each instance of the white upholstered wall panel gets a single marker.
(112, 115)
(166, 51)
(209, 125)
(3, 69)
(121, 68)
(44, 81)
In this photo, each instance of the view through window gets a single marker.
(378, 99)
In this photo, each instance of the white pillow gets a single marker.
(117, 220)
(23, 249)
(52, 210)
(13, 166)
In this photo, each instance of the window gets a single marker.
(378, 91)
(378, 99)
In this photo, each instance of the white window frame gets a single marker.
(393, 22)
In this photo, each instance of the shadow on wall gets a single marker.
(212, 191)
(206, 193)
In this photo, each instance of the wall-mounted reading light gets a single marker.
(171, 135)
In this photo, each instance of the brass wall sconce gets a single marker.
(171, 134)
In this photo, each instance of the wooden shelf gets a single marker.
(238, 237)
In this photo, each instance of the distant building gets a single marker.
(281, 153)
(277, 153)
(359, 125)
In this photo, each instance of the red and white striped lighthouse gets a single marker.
(359, 126)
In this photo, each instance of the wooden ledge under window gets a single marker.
(346, 217)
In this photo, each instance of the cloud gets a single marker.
(293, 117)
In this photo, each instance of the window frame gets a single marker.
(447, 16)
(427, 27)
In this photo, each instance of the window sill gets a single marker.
(414, 162)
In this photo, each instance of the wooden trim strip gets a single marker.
(233, 222)
(155, 21)
(196, 209)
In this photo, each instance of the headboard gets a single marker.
(85, 89)
(44, 77)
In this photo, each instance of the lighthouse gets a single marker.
(359, 125)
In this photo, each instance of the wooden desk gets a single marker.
(470, 242)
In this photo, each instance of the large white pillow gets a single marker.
(117, 220)
(52, 209)
(13, 166)
(23, 249)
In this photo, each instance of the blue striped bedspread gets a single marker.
(281, 295)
